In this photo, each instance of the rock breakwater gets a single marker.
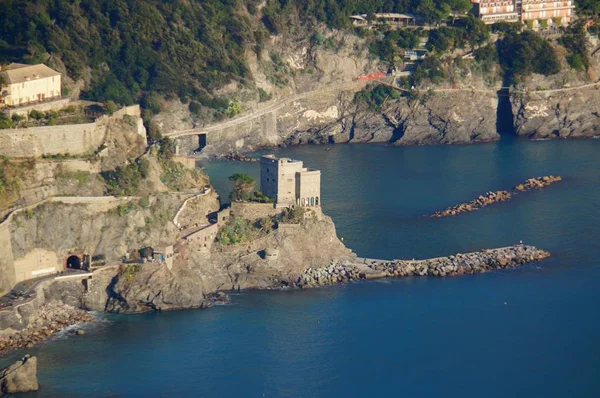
(53, 317)
(459, 264)
(539, 182)
(497, 196)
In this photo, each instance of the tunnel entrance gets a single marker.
(505, 124)
(201, 142)
(74, 262)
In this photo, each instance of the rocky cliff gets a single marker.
(564, 105)
(558, 113)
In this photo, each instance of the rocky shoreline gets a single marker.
(498, 196)
(237, 157)
(459, 264)
(52, 318)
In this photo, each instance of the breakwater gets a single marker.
(498, 196)
(458, 264)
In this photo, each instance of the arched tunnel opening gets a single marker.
(201, 142)
(74, 262)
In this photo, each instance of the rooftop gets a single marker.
(19, 73)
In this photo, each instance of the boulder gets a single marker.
(19, 377)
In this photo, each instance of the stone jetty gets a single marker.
(459, 264)
(497, 196)
(53, 318)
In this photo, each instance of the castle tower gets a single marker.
(289, 183)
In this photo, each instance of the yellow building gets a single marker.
(542, 13)
(26, 84)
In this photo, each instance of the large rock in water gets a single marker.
(19, 377)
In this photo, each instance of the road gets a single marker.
(23, 292)
(254, 114)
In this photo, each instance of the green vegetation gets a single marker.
(125, 208)
(526, 53)
(236, 231)
(293, 215)
(281, 16)
(173, 175)
(375, 97)
(134, 47)
(575, 42)
(12, 174)
(244, 189)
(125, 180)
(80, 176)
(588, 7)
(469, 31)
(430, 69)
(127, 272)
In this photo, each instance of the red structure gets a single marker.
(372, 76)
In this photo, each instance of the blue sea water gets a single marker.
(527, 332)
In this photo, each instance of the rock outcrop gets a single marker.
(19, 377)
(200, 271)
(561, 113)
(46, 321)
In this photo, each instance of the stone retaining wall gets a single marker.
(42, 107)
(253, 211)
(72, 139)
(75, 139)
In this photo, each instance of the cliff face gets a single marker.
(105, 226)
(564, 113)
(440, 118)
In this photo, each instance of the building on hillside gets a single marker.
(395, 20)
(164, 254)
(542, 13)
(492, 11)
(289, 183)
(26, 84)
(555, 13)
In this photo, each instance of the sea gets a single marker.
(527, 332)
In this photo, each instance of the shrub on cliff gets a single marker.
(526, 53)
(237, 231)
(375, 97)
(243, 186)
(575, 41)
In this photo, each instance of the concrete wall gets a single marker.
(205, 236)
(36, 263)
(42, 107)
(253, 211)
(188, 162)
(76, 139)
(7, 270)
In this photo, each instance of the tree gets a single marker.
(243, 187)
(588, 7)
(526, 53)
